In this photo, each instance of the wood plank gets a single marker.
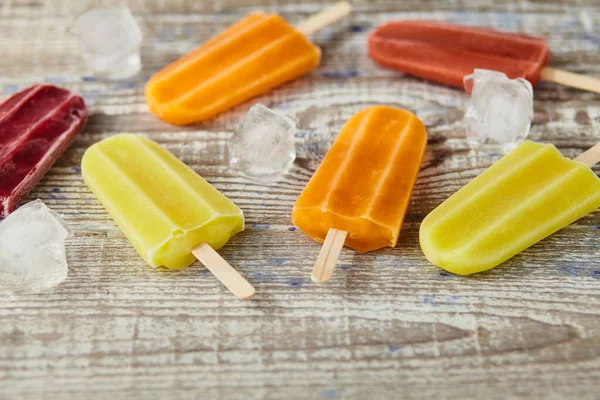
(393, 323)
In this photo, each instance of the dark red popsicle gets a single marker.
(445, 53)
(36, 126)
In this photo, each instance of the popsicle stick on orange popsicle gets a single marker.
(332, 247)
(326, 17)
(249, 58)
(359, 194)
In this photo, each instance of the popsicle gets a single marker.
(526, 196)
(168, 212)
(359, 194)
(445, 53)
(249, 58)
(36, 126)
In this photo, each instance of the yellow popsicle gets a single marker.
(526, 196)
(164, 208)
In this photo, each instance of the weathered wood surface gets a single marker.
(389, 324)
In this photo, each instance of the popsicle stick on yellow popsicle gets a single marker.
(220, 268)
(590, 157)
(168, 212)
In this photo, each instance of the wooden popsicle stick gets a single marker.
(324, 18)
(589, 157)
(570, 79)
(220, 268)
(325, 265)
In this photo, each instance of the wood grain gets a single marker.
(389, 324)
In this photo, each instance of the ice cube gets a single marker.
(262, 147)
(500, 109)
(32, 249)
(110, 40)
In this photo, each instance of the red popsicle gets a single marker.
(445, 53)
(36, 126)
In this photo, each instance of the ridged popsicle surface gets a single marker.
(164, 208)
(36, 127)
(445, 53)
(249, 58)
(526, 196)
(364, 184)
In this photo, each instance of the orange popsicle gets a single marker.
(364, 184)
(249, 58)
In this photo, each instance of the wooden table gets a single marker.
(389, 325)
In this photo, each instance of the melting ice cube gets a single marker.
(499, 111)
(262, 147)
(32, 249)
(110, 39)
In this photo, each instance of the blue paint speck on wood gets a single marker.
(189, 30)
(357, 28)
(260, 227)
(54, 79)
(55, 190)
(91, 93)
(345, 74)
(329, 394)
(326, 34)
(428, 299)
(292, 228)
(591, 39)
(89, 79)
(596, 274)
(296, 282)
(444, 273)
(165, 35)
(276, 261)
(10, 88)
(264, 277)
(77, 170)
(126, 85)
(569, 268)
(345, 266)
(392, 348)
(453, 299)
(90, 96)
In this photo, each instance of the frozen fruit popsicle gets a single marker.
(445, 53)
(167, 211)
(529, 194)
(359, 194)
(249, 58)
(36, 126)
